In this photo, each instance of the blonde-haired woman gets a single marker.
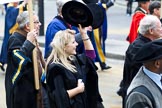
(71, 77)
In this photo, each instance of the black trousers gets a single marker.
(129, 7)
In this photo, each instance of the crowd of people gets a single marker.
(141, 73)
(67, 73)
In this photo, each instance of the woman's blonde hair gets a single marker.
(58, 54)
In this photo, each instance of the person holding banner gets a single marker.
(13, 10)
(19, 79)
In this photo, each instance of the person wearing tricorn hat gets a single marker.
(66, 70)
(149, 30)
(145, 90)
(80, 14)
(85, 14)
(140, 12)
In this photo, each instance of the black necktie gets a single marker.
(161, 80)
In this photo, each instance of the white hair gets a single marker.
(59, 5)
(23, 19)
(148, 22)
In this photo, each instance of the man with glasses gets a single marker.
(19, 79)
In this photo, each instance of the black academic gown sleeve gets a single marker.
(59, 80)
(56, 88)
(19, 78)
(89, 70)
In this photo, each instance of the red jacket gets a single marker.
(134, 26)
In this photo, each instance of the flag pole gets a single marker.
(35, 63)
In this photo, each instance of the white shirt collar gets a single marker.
(155, 77)
(143, 10)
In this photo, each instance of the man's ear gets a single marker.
(157, 63)
(150, 31)
(27, 26)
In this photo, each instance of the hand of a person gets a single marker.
(31, 36)
(82, 30)
(89, 28)
(80, 86)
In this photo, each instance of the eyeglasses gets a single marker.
(36, 22)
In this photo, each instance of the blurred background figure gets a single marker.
(12, 11)
(99, 35)
(129, 7)
(140, 12)
(2, 9)
(154, 9)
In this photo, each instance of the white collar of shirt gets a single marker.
(143, 10)
(155, 77)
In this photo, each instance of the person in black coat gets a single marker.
(129, 7)
(149, 29)
(72, 81)
(19, 78)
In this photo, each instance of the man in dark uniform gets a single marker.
(19, 79)
(149, 29)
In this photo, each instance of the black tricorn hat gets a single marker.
(149, 52)
(98, 15)
(90, 1)
(75, 13)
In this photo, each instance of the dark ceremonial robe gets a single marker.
(10, 26)
(19, 79)
(130, 67)
(59, 80)
(138, 15)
